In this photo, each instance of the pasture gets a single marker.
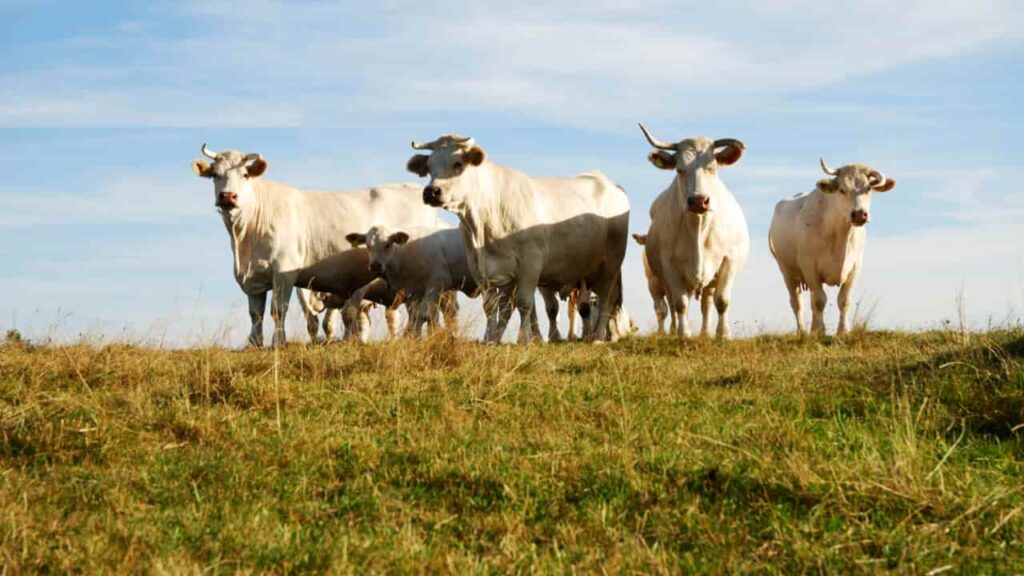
(878, 452)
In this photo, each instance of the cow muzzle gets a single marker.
(432, 196)
(699, 204)
(859, 217)
(227, 200)
(376, 267)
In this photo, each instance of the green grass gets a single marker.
(879, 452)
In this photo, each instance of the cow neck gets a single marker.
(840, 233)
(482, 217)
(245, 230)
(694, 228)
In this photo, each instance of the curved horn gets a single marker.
(465, 141)
(209, 153)
(876, 178)
(723, 142)
(654, 141)
(825, 167)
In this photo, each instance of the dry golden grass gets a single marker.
(880, 452)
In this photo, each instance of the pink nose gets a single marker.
(859, 217)
(698, 204)
(227, 200)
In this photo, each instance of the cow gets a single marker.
(698, 240)
(282, 237)
(522, 232)
(659, 292)
(425, 264)
(818, 238)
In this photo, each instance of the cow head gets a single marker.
(451, 158)
(381, 243)
(849, 190)
(696, 162)
(232, 173)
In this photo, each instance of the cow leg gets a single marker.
(450, 310)
(525, 296)
(305, 297)
(844, 302)
(818, 301)
(797, 304)
(257, 307)
(706, 296)
(571, 304)
(491, 299)
(429, 313)
(330, 317)
(503, 304)
(283, 288)
(723, 295)
(414, 326)
(551, 307)
(588, 313)
(677, 301)
(606, 290)
(660, 307)
(391, 319)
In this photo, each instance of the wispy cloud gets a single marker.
(272, 63)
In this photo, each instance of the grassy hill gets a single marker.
(879, 452)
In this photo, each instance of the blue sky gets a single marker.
(105, 232)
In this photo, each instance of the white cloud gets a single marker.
(271, 63)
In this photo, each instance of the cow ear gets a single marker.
(641, 239)
(476, 156)
(257, 168)
(827, 185)
(885, 186)
(662, 159)
(729, 155)
(398, 238)
(356, 240)
(202, 169)
(418, 165)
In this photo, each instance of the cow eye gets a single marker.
(457, 166)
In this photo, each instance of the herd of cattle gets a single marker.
(564, 237)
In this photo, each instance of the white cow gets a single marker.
(698, 239)
(659, 292)
(425, 264)
(522, 232)
(282, 237)
(818, 238)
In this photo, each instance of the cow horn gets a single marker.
(825, 167)
(209, 153)
(876, 178)
(723, 142)
(462, 141)
(654, 141)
